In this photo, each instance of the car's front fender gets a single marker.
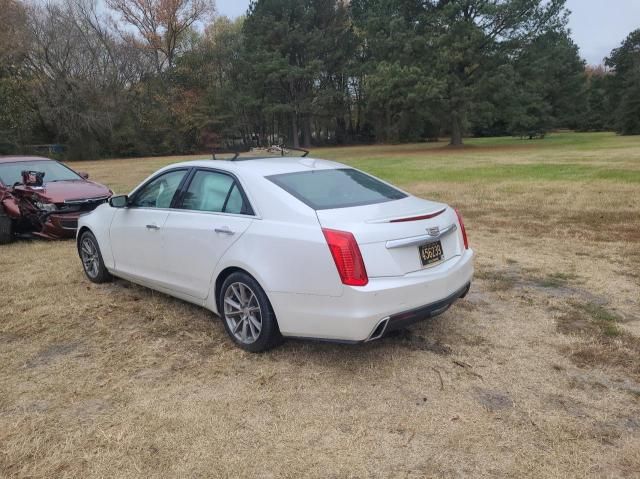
(99, 223)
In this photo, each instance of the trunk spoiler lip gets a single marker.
(411, 217)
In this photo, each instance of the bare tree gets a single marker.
(81, 72)
(161, 25)
(13, 36)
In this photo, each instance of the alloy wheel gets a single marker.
(90, 258)
(242, 313)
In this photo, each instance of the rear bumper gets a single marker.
(357, 315)
(407, 318)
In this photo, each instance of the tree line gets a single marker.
(151, 77)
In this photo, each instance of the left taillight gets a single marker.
(463, 230)
(346, 254)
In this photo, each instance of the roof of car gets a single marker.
(266, 166)
(14, 159)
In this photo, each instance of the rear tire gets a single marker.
(91, 257)
(247, 314)
(6, 228)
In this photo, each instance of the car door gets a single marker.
(212, 214)
(136, 231)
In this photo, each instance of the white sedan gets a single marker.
(283, 247)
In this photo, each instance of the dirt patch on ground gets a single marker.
(602, 342)
(493, 400)
(51, 353)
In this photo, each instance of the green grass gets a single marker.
(606, 320)
(599, 313)
(586, 141)
(498, 280)
(408, 171)
(583, 157)
(556, 280)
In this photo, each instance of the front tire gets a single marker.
(247, 314)
(91, 257)
(6, 228)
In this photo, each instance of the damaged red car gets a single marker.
(43, 197)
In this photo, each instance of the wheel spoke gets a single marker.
(245, 326)
(256, 323)
(237, 326)
(233, 304)
(243, 294)
(253, 331)
(236, 292)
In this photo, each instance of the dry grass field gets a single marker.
(535, 374)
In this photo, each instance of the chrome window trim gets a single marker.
(237, 181)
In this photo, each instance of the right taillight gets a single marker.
(346, 254)
(464, 231)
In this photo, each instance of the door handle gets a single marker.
(224, 230)
(153, 227)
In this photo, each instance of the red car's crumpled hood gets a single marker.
(61, 191)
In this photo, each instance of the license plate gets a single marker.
(430, 253)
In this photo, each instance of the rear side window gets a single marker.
(339, 188)
(214, 192)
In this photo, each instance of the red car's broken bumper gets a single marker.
(59, 226)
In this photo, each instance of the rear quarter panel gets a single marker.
(284, 249)
(286, 258)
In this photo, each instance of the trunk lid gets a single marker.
(389, 234)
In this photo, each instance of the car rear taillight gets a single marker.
(464, 231)
(346, 254)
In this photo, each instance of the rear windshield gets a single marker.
(340, 188)
(11, 173)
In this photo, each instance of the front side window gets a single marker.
(159, 193)
(213, 192)
(336, 188)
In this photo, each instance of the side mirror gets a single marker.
(120, 201)
(84, 175)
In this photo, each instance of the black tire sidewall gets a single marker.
(6, 228)
(103, 274)
(270, 333)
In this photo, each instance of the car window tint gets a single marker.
(159, 192)
(235, 203)
(336, 188)
(208, 191)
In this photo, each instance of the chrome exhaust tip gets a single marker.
(379, 330)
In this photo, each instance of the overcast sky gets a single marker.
(598, 26)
